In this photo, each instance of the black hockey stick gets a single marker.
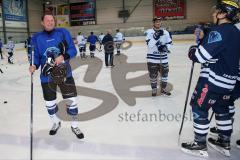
(1, 70)
(31, 109)
(211, 117)
(189, 85)
(99, 50)
(186, 101)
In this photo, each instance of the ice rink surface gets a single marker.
(120, 119)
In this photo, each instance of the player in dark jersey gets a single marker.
(219, 54)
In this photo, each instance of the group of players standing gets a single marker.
(92, 39)
(217, 86)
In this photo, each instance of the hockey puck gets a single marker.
(5, 102)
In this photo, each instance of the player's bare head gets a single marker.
(48, 22)
(157, 22)
(109, 31)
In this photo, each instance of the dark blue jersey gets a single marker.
(92, 39)
(46, 44)
(220, 53)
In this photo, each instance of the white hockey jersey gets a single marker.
(153, 55)
(100, 37)
(10, 46)
(81, 40)
(118, 37)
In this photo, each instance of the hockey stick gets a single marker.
(99, 50)
(211, 117)
(186, 101)
(189, 85)
(31, 109)
(1, 70)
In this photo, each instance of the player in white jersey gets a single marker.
(118, 39)
(100, 38)
(158, 42)
(10, 48)
(82, 40)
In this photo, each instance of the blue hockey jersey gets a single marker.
(219, 54)
(92, 39)
(46, 44)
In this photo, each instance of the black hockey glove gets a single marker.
(191, 53)
(162, 48)
(63, 47)
(59, 73)
(157, 34)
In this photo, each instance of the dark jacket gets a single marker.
(108, 43)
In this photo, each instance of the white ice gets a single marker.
(111, 136)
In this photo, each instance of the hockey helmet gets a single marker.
(156, 18)
(229, 7)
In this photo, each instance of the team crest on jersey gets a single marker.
(52, 52)
(214, 36)
(195, 115)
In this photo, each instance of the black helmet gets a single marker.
(157, 18)
(229, 7)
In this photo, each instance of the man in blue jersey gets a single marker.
(92, 39)
(219, 55)
(53, 49)
(158, 41)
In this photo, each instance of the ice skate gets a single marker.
(164, 92)
(238, 144)
(195, 149)
(55, 128)
(77, 132)
(220, 146)
(154, 92)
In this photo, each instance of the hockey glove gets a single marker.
(191, 53)
(59, 73)
(162, 48)
(63, 47)
(157, 34)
